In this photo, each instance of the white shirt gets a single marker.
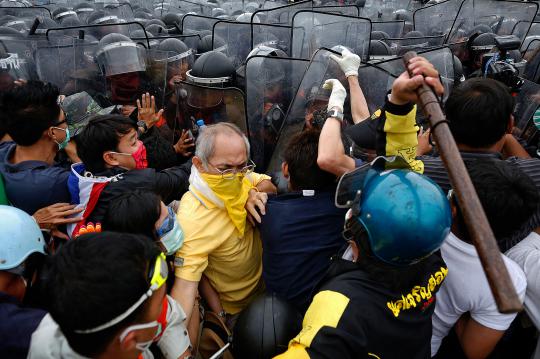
(527, 255)
(466, 289)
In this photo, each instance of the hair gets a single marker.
(204, 147)
(479, 111)
(28, 110)
(300, 154)
(134, 212)
(92, 280)
(103, 133)
(509, 197)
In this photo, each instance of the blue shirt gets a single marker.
(16, 327)
(299, 235)
(31, 185)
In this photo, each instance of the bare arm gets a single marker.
(331, 156)
(477, 341)
(512, 147)
(185, 293)
(266, 186)
(359, 107)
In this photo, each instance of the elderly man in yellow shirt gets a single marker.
(220, 242)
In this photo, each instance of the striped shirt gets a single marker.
(434, 169)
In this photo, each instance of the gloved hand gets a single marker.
(338, 95)
(348, 62)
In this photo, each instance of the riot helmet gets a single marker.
(179, 58)
(156, 30)
(218, 12)
(480, 29)
(14, 23)
(206, 43)
(45, 24)
(101, 17)
(156, 22)
(140, 36)
(248, 17)
(118, 54)
(173, 22)
(62, 13)
(265, 327)
(379, 48)
(379, 35)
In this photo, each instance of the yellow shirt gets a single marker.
(213, 246)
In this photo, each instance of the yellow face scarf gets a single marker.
(234, 194)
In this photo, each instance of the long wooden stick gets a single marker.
(477, 224)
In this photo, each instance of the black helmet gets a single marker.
(140, 36)
(10, 31)
(118, 54)
(379, 48)
(156, 30)
(177, 51)
(480, 29)
(156, 22)
(205, 44)
(84, 7)
(379, 35)
(63, 12)
(211, 69)
(101, 17)
(172, 19)
(45, 24)
(265, 327)
(414, 38)
(483, 42)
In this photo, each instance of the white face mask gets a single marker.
(142, 346)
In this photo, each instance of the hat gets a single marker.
(79, 108)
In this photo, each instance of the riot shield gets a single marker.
(376, 79)
(282, 15)
(272, 4)
(313, 30)
(349, 10)
(400, 46)
(196, 23)
(500, 16)
(271, 83)
(122, 11)
(16, 61)
(129, 29)
(382, 10)
(309, 100)
(436, 19)
(532, 56)
(210, 104)
(200, 8)
(25, 12)
(237, 37)
(527, 102)
(394, 29)
(276, 36)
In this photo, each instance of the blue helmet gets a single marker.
(20, 236)
(405, 214)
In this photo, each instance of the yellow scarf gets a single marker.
(234, 194)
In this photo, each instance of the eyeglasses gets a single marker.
(231, 173)
(158, 276)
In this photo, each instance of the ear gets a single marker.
(355, 251)
(510, 126)
(198, 163)
(110, 159)
(129, 342)
(50, 133)
(285, 169)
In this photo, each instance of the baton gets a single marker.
(477, 224)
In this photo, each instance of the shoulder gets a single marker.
(517, 275)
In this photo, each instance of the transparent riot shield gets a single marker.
(271, 83)
(122, 11)
(532, 56)
(436, 19)
(272, 4)
(394, 28)
(400, 46)
(209, 104)
(25, 12)
(376, 79)
(276, 36)
(237, 37)
(282, 15)
(309, 101)
(129, 29)
(200, 8)
(349, 10)
(500, 16)
(383, 10)
(527, 102)
(196, 23)
(16, 61)
(313, 30)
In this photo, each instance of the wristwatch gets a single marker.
(335, 113)
(142, 124)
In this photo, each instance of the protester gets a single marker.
(220, 242)
(301, 230)
(22, 249)
(106, 299)
(115, 162)
(465, 299)
(38, 128)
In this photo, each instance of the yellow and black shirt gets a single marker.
(355, 316)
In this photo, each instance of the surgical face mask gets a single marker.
(65, 142)
(170, 234)
(142, 346)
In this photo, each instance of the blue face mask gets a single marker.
(65, 142)
(170, 234)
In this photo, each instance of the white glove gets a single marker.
(348, 62)
(338, 95)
